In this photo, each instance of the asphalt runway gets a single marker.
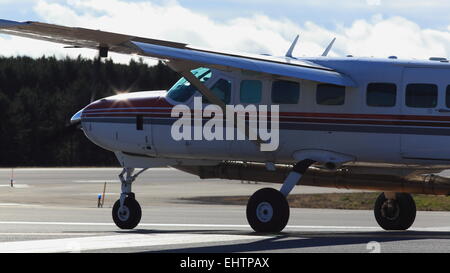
(54, 210)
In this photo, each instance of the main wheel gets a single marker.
(129, 216)
(395, 214)
(268, 211)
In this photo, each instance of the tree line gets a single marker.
(39, 96)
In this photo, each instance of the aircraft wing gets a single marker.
(172, 51)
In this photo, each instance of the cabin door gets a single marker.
(211, 143)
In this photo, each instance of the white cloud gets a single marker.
(376, 36)
(393, 36)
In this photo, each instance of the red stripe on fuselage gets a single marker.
(296, 120)
(159, 107)
(292, 115)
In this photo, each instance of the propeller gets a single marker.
(75, 122)
(97, 66)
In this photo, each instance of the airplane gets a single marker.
(380, 124)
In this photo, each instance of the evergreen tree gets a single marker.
(38, 97)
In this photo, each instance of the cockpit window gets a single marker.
(183, 89)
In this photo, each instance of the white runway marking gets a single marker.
(175, 225)
(294, 227)
(17, 186)
(96, 241)
(96, 181)
(47, 234)
(115, 241)
(18, 205)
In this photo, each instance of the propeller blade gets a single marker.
(65, 133)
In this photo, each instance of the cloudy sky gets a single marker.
(380, 28)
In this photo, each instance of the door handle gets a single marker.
(443, 110)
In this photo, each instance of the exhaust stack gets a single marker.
(343, 178)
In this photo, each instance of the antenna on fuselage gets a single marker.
(329, 47)
(291, 49)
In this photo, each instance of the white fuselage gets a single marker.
(406, 124)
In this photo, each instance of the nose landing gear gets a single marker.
(129, 215)
(126, 211)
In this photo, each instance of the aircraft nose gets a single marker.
(77, 117)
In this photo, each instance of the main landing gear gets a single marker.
(268, 209)
(395, 211)
(126, 211)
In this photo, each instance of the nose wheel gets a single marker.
(126, 211)
(127, 216)
(396, 213)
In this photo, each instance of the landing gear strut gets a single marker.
(395, 211)
(126, 211)
(268, 209)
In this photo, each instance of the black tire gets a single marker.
(268, 211)
(132, 217)
(398, 214)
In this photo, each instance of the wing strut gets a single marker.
(185, 71)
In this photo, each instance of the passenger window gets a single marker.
(447, 97)
(285, 92)
(381, 94)
(421, 95)
(222, 89)
(251, 91)
(329, 94)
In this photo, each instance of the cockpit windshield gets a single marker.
(183, 89)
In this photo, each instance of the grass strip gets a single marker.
(350, 201)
